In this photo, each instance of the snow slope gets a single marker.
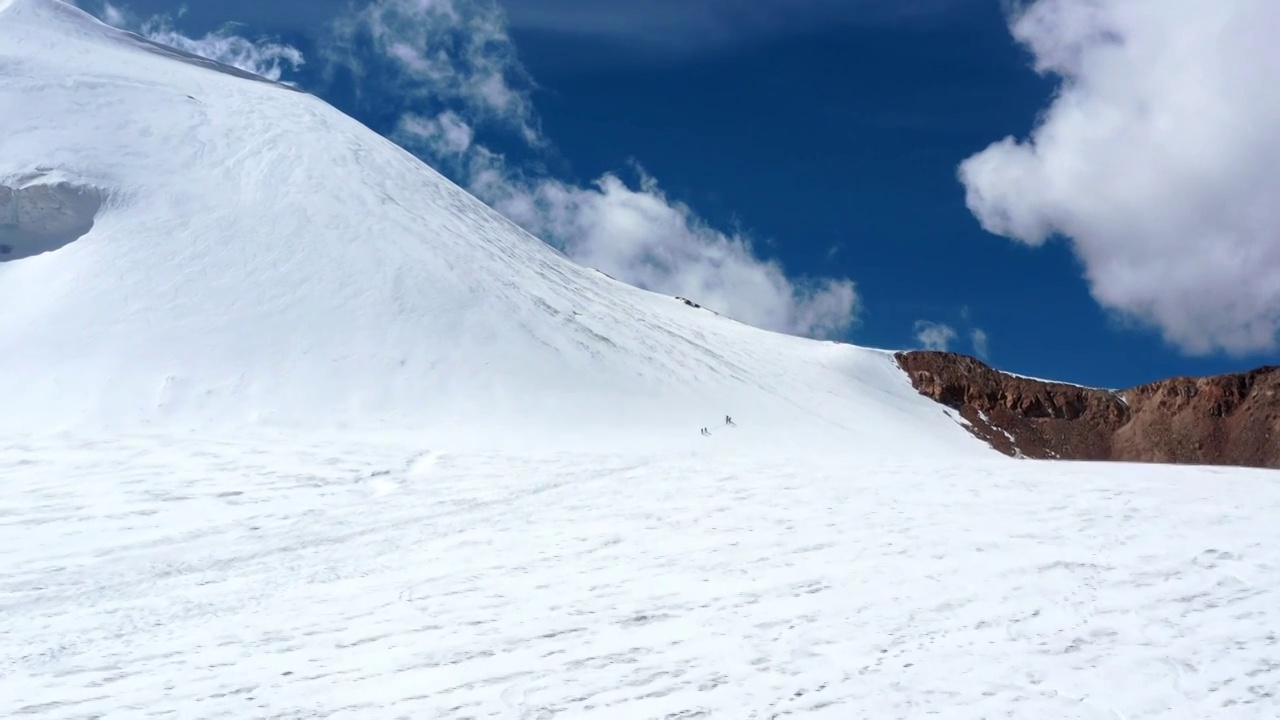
(443, 472)
(251, 580)
(192, 248)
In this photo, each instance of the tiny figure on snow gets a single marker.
(729, 421)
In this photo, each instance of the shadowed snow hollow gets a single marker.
(37, 217)
(191, 248)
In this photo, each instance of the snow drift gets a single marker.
(193, 247)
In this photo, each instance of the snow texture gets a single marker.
(296, 428)
(198, 578)
(257, 257)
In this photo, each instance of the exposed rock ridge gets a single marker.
(1221, 420)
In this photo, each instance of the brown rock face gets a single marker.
(1222, 420)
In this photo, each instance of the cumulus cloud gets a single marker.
(1158, 159)
(981, 343)
(455, 71)
(934, 335)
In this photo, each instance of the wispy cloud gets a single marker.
(1158, 159)
(447, 72)
(638, 234)
(114, 16)
(434, 56)
(455, 74)
(446, 134)
(934, 335)
(981, 343)
(263, 56)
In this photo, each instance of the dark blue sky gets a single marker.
(850, 138)
(838, 142)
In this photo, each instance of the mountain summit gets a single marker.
(186, 245)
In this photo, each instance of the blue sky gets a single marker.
(798, 164)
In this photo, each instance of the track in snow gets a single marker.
(154, 577)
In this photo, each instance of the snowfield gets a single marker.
(296, 428)
(152, 577)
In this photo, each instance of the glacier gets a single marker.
(295, 427)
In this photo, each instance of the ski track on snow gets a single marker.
(163, 577)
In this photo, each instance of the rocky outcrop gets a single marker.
(1221, 420)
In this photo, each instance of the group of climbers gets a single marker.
(727, 421)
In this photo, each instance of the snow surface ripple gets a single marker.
(153, 577)
(539, 531)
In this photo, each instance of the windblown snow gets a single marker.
(296, 428)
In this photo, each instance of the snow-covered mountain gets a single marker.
(443, 472)
(190, 246)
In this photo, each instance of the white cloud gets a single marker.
(447, 134)
(264, 57)
(113, 15)
(642, 237)
(934, 335)
(1159, 159)
(981, 343)
(454, 69)
(448, 54)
